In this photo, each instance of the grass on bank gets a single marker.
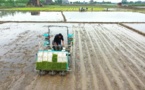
(56, 8)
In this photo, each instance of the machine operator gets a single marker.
(58, 40)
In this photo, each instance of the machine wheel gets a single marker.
(52, 73)
(42, 72)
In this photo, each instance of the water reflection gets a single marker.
(73, 16)
(104, 17)
(9, 13)
(30, 16)
(35, 13)
(140, 27)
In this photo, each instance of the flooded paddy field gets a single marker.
(30, 16)
(104, 57)
(104, 17)
(139, 27)
(72, 16)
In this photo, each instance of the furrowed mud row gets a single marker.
(92, 82)
(105, 78)
(108, 45)
(130, 69)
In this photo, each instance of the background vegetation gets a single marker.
(22, 5)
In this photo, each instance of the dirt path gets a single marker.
(104, 57)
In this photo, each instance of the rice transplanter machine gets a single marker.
(54, 60)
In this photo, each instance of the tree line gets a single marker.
(26, 2)
(16, 2)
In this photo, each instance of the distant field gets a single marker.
(74, 8)
(57, 8)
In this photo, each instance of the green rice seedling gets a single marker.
(63, 66)
(54, 66)
(38, 65)
(54, 58)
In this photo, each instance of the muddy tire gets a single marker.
(42, 72)
(52, 73)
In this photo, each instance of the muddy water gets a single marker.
(105, 57)
(17, 28)
(30, 16)
(73, 16)
(19, 31)
(18, 48)
(140, 27)
(104, 17)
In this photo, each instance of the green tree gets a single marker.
(58, 1)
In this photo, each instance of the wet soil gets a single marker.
(104, 57)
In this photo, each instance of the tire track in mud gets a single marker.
(74, 54)
(104, 76)
(105, 56)
(105, 43)
(133, 53)
(125, 50)
(92, 73)
(135, 77)
(89, 79)
(56, 82)
(116, 36)
(78, 84)
(45, 82)
(95, 72)
(97, 78)
(72, 66)
(130, 70)
(135, 46)
(132, 74)
(76, 67)
(133, 56)
(41, 81)
(33, 83)
(131, 38)
(140, 75)
(117, 82)
(103, 61)
(82, 64)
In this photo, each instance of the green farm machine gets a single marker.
(54, 60)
